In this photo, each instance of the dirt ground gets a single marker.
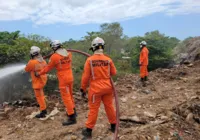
(168, 108)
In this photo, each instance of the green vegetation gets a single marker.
(14, 47)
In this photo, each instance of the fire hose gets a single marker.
(113, 86)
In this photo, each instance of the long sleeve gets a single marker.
(29, 67)
(47, 68)
(86, 76)
(113, 70)
(143, 56)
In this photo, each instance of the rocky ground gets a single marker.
(168, 108)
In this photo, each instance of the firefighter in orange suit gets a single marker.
(144, 61)
(98, 70)
(61, 60)
(36, 64)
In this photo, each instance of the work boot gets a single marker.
(75, 112)
(71, 120)
(143, 82)
(42, 114)
(145, 78)
(112, 127)
(87, 133)
(76, 115)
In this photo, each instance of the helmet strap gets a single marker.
(96, 48)
(56, 48)
(34, 55)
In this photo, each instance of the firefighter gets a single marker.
(98, 70)
(36, 64)
(144, 61)
(61, 60)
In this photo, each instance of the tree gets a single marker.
(9, 38)
(112, 34)
(160, 47)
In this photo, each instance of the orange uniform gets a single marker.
(98, 70)
(144, 62)
(38, 83)
(62, 63)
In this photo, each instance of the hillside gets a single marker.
(168, 108)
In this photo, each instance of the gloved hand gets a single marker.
(37, 74)
(83, 93)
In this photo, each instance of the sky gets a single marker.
(65, 19)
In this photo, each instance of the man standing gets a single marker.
(36, 64)
(98, 70)
(61, 60)
(144, 61)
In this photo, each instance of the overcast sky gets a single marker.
(64, 19)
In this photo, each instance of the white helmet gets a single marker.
(97, 43)
(55, 44)
(34, 50)
(143, 43)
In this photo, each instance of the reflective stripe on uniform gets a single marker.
(108, 68)
(92, 70)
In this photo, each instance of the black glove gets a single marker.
(37, 74)
(83, 93)
(139, 64)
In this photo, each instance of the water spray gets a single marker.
(11, 69)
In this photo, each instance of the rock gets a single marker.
(135, 119)
(157, 137)
(139, 106)
(190, 117)
(5, 104)
(190, 65)
(156, 122)
(57, 104)
(124, 99)
(69, 131)
(148, 138)
(146, 91)
(150, 114)
(8, 110)
(142, 138)
(178, 88)
(73, 137)
(164, 118)
(133, 97)
(184, 79)
(19, 125)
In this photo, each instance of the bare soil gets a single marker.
(168, 108)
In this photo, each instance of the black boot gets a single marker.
(87, 133)
(71, 120)
(112, 127)
(145, 78)
(143, 82)
(74, 113)
(42, 114)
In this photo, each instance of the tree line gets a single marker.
(124, 50)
